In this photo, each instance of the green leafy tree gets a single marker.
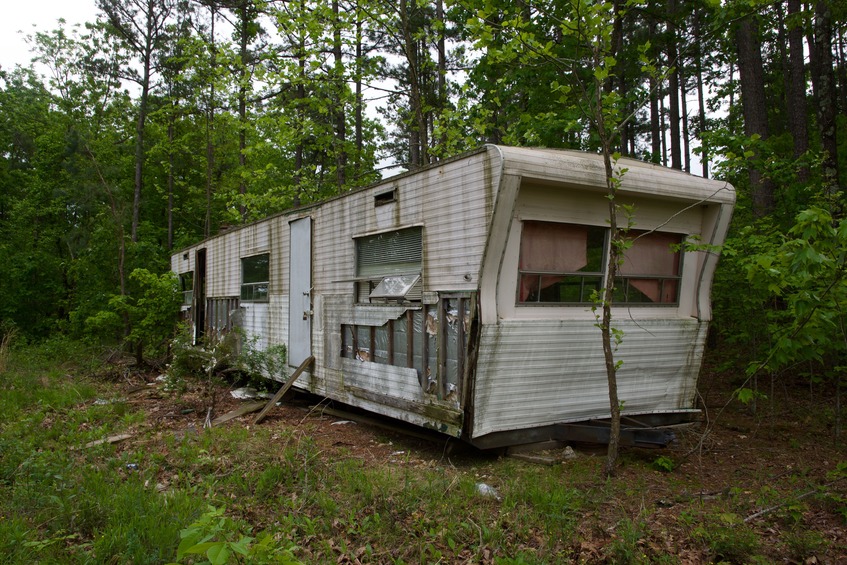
(142, 26)
(151, 309)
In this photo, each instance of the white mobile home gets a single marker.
(459, 297)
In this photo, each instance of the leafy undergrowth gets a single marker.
(305, 486)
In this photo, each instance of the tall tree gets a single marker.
(754, 105)
(797, 113)
(826, 93)
(142, 25)
(675, 61)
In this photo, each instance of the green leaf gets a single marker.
(745, 395)
(218, 554)
(242, 546)
(202, 547)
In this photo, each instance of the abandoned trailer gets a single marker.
(459, 297)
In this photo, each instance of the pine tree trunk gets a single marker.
(754, 107)
(655, 116)
(701, 105)
(296, 199)
(442, 61)
(244, 22)
(210, 119)
(170, 182)
(338, 89)
(686, 142)
(673, 87)
(826, 95)
(359, 111)
(798, 125)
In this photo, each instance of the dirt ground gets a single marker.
(766, 465)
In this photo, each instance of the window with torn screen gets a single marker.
(388, 266)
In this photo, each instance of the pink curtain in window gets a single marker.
(652, 255)
(546, 246)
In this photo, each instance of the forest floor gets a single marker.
(763, 485)
(751, 483)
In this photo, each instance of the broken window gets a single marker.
(388, 266)
(255, 278)
(565, 264)
(186, 286)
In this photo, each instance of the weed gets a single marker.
(839, 500)
(625, 546)
(213, 535)
(664, 463)
(728, 538)
(803, 544)
(556, 506)
(7, 336)
(60, 505)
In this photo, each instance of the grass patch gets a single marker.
(728, 539)
(278, 493)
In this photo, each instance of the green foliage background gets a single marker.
(330, 96)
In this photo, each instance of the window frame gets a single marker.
(255, 290)
(589, 279)
(186, 287)
(373, 275)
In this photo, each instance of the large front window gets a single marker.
(566, 263)
(254, 278)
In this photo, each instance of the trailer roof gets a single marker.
(562, 167)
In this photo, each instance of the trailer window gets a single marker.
(565, 264)
(560, 263)
(254, 278)
(650, 271)
(186, 286)
(388, 265)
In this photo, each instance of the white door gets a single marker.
(300, 290)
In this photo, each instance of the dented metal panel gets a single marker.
(541, 372)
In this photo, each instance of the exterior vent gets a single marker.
(384, 198)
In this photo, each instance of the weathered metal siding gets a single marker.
(453, 203)
(542, 365)
(224, 253)
(223, 269)
(537, 373)
(183, 262)
(255, 321)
